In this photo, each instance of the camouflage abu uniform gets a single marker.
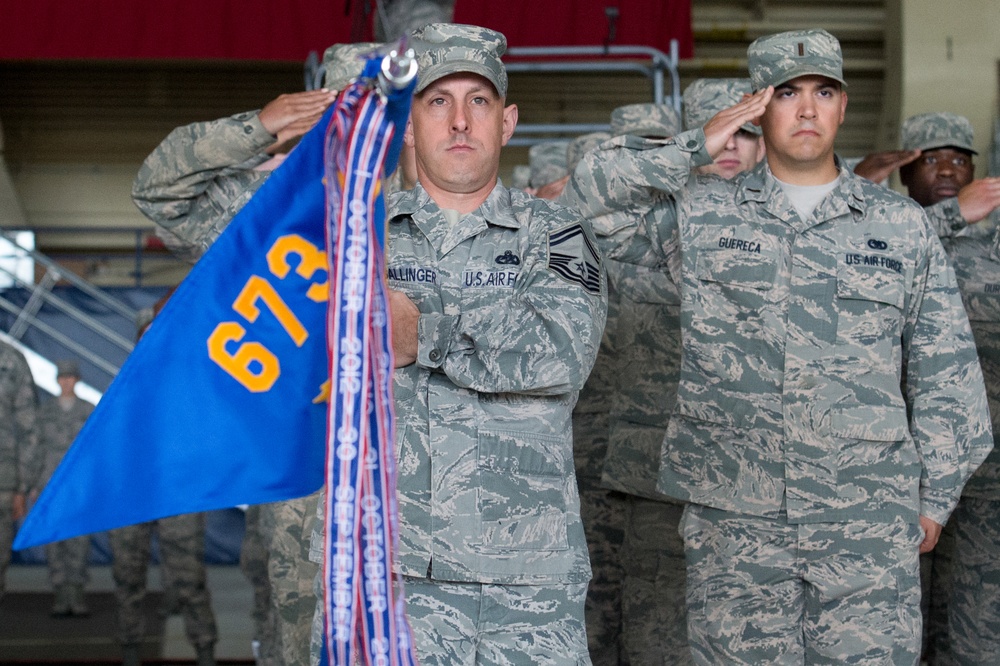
(547, 162)
(512, 303)
(807, 464)
(601, 511)
(19, 453)
(394, 18)
(487, 492)
(58, 424)
(966, 584)
(182, 558)
(928, 131)
(192, 186)
(648, 344)
(972, 584)
(612, 443)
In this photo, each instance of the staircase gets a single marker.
(60, 315)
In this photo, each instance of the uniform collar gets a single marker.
(760, 186)
(417, 204)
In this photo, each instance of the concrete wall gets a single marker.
(950, 55)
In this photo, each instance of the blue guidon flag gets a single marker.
(269, 373)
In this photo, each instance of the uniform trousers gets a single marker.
(478, 624)
(182, 551)
(654, 617)
(67, 561)
(763, 591)
(974, 603)
(6, 534)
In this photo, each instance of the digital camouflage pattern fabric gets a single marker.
(182, 555)
(965, 587)
(581, 145)
(506, 342)
(619, 424)
(747, 437)
(927, 131)
(448, 48)
(703, 98)
(394, 18)
(548, 162)
(527, 624)
(871, 586)
(286, 528)
(20, 458)
(200, 176)
(775, 59)
(343, 62)
(67, 560)
(650, 120)
(807, 379)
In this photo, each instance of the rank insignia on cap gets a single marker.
(574, 258)
(508, 258)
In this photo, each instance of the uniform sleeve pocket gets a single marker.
(523, 487)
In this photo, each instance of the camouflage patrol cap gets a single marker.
(706, 97)
(449, 48)
(582, 145)
(67, 368)
(656, 120)
(927, 131)
(776, 59)
(520, 177)
(548, 162)
(343, 62)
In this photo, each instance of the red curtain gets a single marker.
(195, 29)
(290, 29)
(584, 22)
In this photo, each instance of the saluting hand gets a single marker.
(290, 116)
(878, 166)
(979, 198)
(723, 125)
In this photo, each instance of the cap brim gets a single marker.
(806, 70)
(934, 145)
(441, 70)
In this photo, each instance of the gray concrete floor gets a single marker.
(232, 600)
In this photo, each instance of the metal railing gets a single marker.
(583, 59)
(573, 60)
(26, 316)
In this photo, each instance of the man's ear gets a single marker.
(509, 122)
(408, 134)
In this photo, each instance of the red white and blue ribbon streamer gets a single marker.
(364, 619)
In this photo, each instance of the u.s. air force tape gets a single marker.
(574, 258)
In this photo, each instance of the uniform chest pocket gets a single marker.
(870, 301)
(749, 269)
